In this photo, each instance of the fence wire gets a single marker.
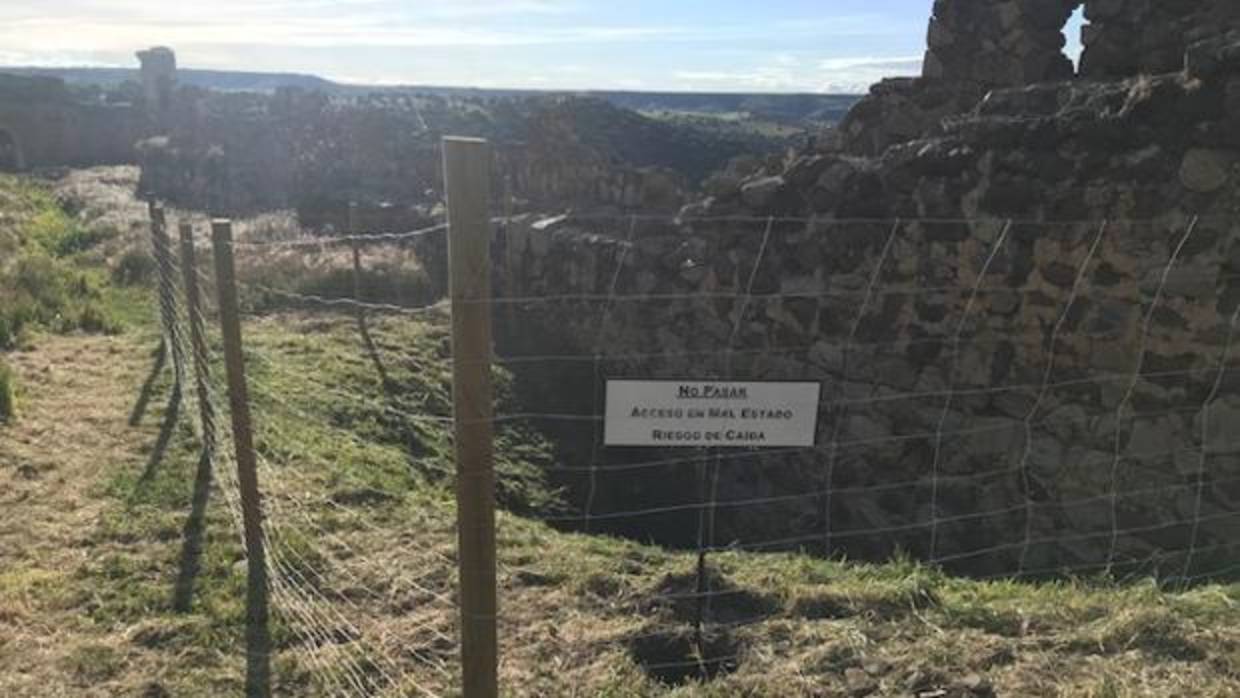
(964, 487)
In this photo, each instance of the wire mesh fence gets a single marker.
(1000, 398)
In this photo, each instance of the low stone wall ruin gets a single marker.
(1074, 405)
(896, 381)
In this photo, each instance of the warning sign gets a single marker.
(718, 413)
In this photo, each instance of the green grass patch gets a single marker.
(8, 393)
(45, 282)
(374, 424)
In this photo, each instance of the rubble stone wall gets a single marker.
(998, 42)
(975, 46)
(1048, 344)
(891, 351)
(1127, 37)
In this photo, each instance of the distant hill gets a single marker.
(779, 108)
(238, 81)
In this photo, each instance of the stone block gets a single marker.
(1205, 171)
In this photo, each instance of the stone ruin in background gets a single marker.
(45, 123)
(975, 46)
(159, 80)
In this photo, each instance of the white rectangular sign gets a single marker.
(711, 413)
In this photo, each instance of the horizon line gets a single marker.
(432, 86)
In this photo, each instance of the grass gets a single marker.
(590, 604)
(49, 278)
(8, 393)
(358, 489)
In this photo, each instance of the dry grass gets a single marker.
(51, 469)
(579, 611)
(102, 201)
(90, 560)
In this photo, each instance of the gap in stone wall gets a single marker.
(1073, 36)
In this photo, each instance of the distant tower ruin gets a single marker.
(159, 78)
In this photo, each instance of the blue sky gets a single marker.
(700, 45)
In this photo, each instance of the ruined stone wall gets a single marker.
(812, 290)
(159, 78)
(975, 46)
(547, 181)
(1007, 43)
(1104, 217)
(1127, 37)
(998, 43)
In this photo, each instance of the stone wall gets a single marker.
(1125, 191)
(546, 179)
(998, 43)
(1006, 43)
(1127, 37)
(901, 366)
(159, 82)
(975, 46)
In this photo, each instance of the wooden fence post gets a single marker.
(258, 635)
(467, 176)
(167, 294)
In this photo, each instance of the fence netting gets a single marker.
(1001, 398)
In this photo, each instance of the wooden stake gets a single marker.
(258, 635)
(467, 165)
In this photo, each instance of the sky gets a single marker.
(681, 45)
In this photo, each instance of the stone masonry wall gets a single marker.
(891, 348)
(975, 46)
(1088, 387)
(998, 43)
(1127, 37)
(1006, 43)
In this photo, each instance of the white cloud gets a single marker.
(867, 62)
(843, 74)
